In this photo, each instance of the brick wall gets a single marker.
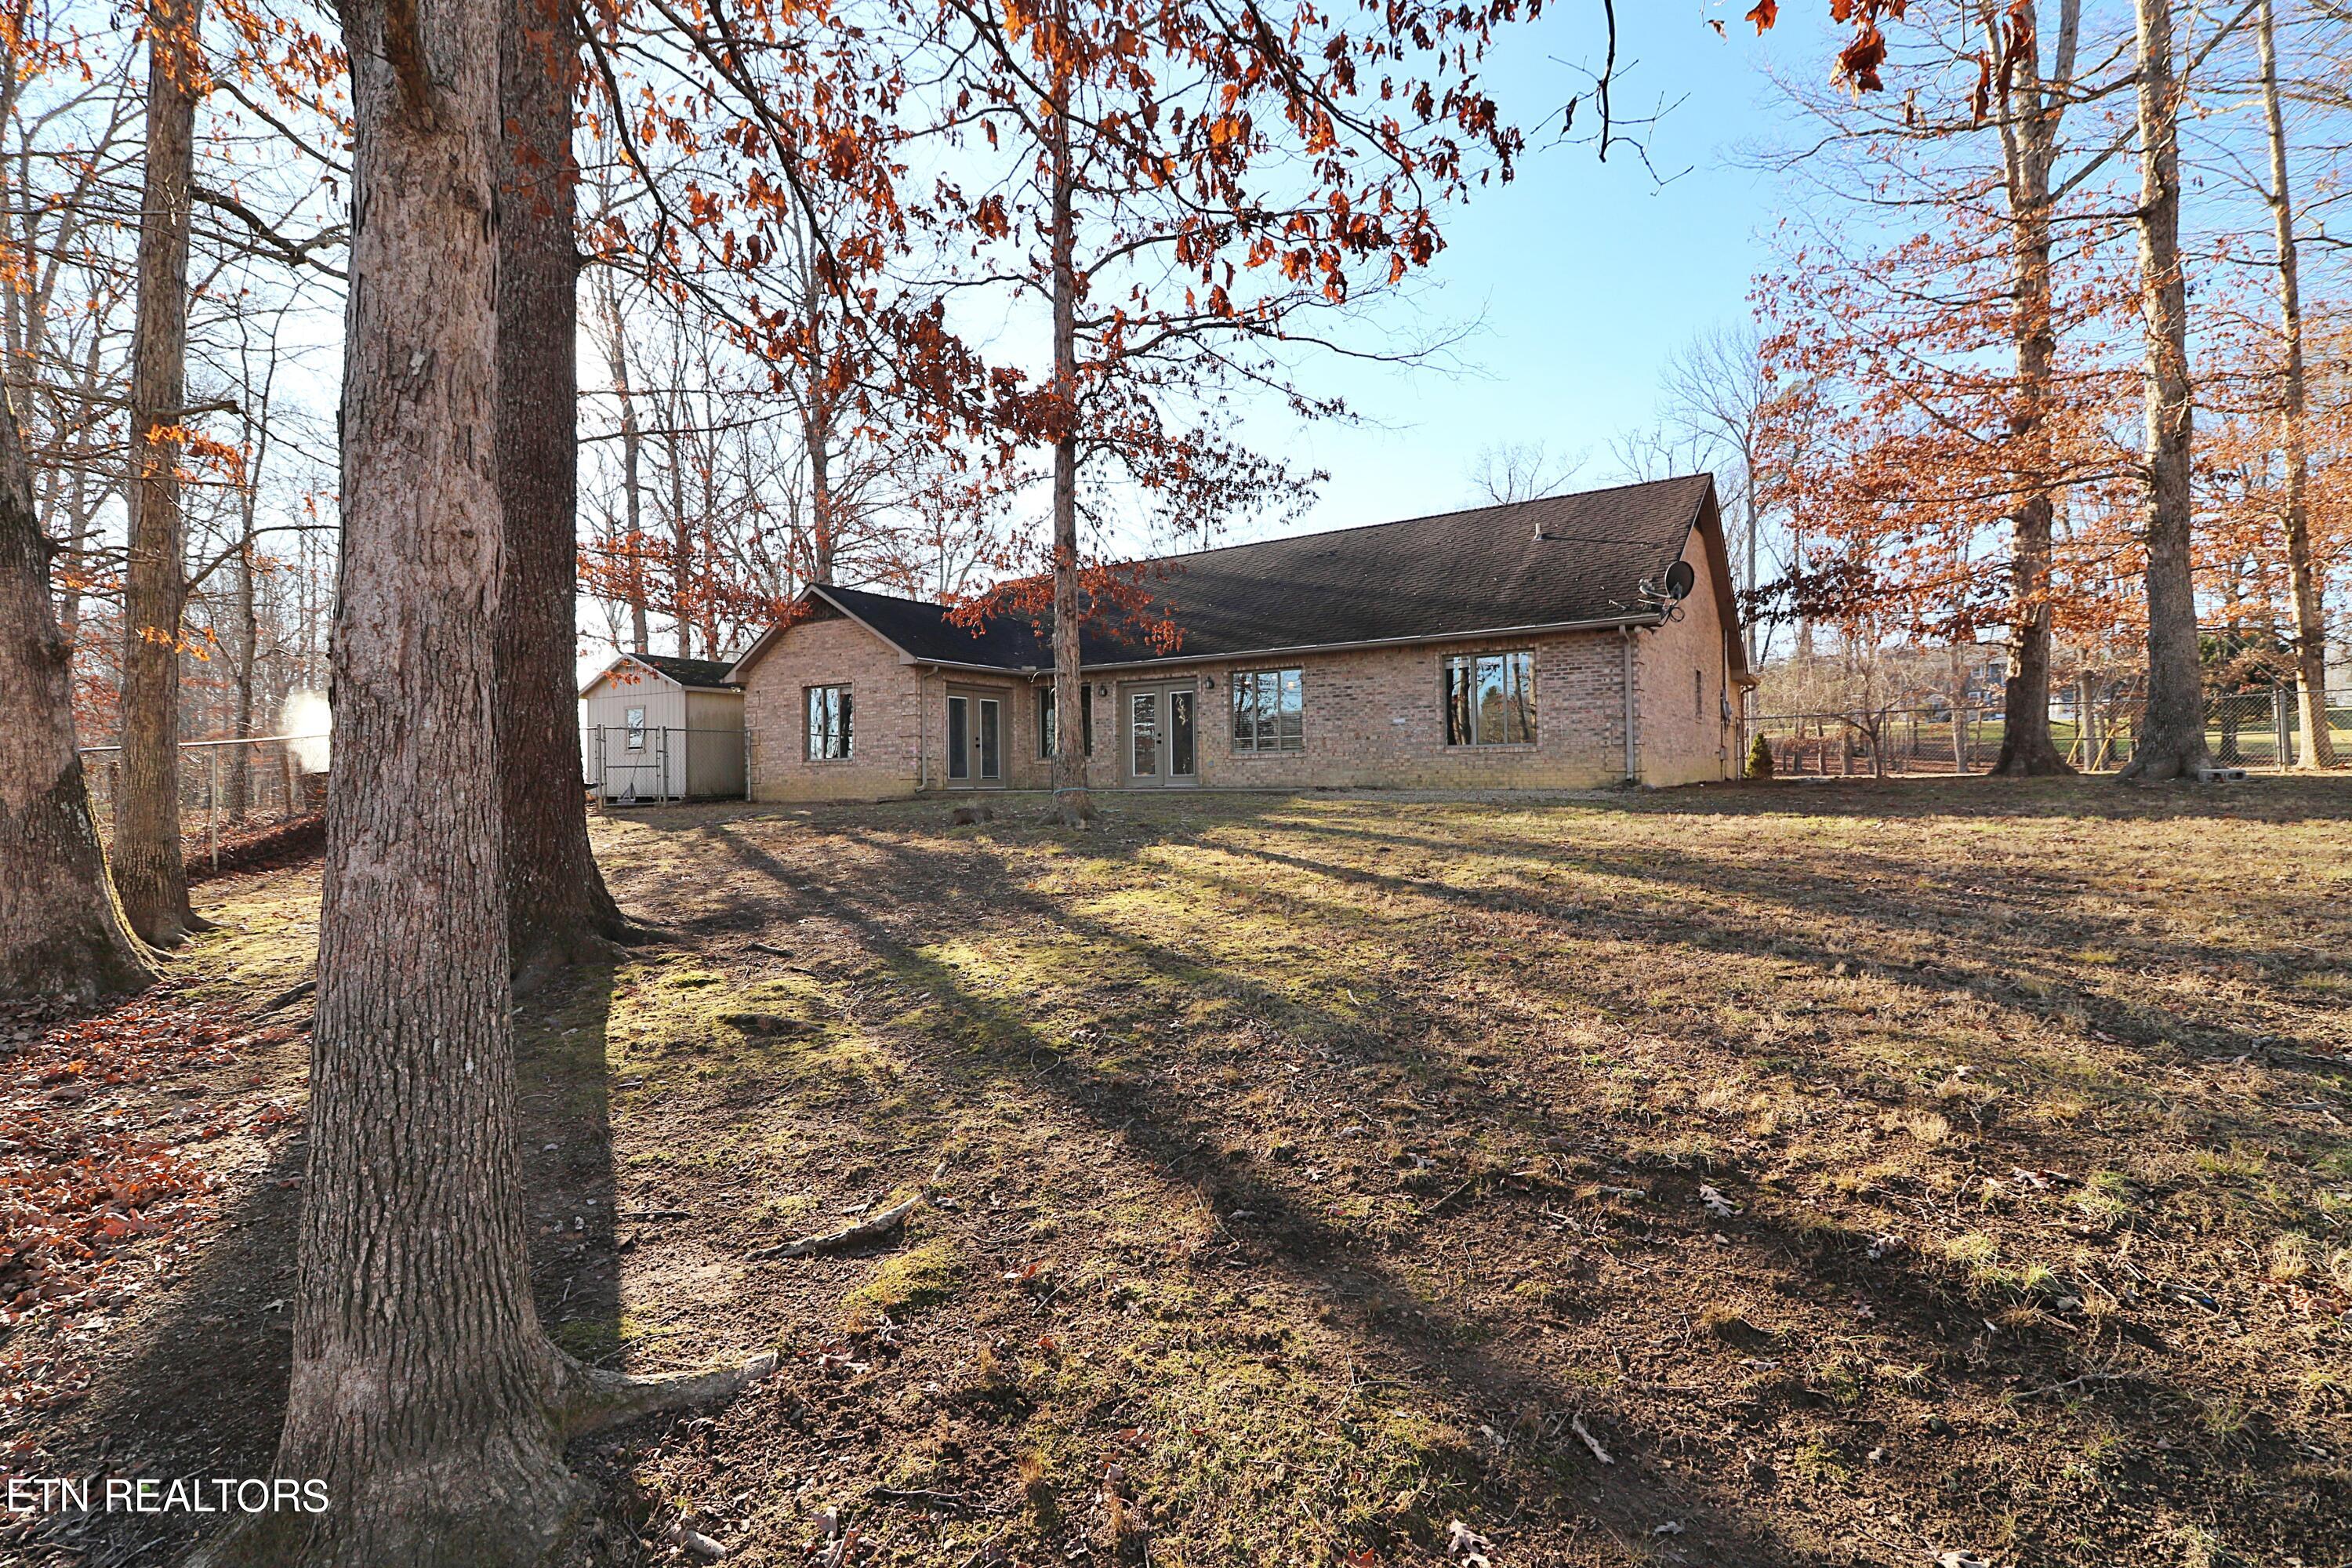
(1374, 718)
(1683, 740)
(886, 727)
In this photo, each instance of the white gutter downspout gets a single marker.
(1633, 712)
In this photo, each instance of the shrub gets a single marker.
(1760, 758)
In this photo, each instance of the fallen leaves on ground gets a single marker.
(99, 1188)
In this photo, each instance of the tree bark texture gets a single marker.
(1072, 804)
(421, 1384)
(2172, 741)
(148, 871)
(558, 908)
(2317, 746)
(61, 933)
(2030, 120)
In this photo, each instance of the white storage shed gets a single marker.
(658, 727)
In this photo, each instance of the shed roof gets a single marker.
(698, 673)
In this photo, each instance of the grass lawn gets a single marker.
(1868, 1172)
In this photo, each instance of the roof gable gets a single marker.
(694, 673)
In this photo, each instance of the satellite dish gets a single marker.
(1679, 579)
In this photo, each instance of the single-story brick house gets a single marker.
(1572, 642)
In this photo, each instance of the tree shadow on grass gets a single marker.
(1923, 1303)
(1977, 951)
(1355, 1278)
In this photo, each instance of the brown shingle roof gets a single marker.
(1561, 560)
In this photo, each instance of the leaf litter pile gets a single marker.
(105, 1193)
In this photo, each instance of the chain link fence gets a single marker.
(226, 787)
(2262, 729)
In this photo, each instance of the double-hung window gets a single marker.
(1046, 718)
(828, 723)
(1490, 700)
(1269, 711)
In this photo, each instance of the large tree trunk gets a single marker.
(148, 869)
(422, 1393)
(61, 932)
(1072, 804)
(557, 909)
(420, 1377)
(2030, 118)
(2171, 743)
(2318, 748)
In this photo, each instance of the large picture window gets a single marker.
(1046, 741)
(1490, 700)
(1269, 711)
(828, 723)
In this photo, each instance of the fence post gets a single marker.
(2283, 726)
(212, 803)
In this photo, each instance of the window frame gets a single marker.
(1286, 677)
(811, 730)
(632, 727)
(1525, 690)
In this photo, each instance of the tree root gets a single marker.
(285, 998)
(596, 1400)
(601, 945)
(503, 1500)
(871, 1228)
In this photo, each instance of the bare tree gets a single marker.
(559, 909)
(423, 1393)
(148, 869)
(1715, 386)
(1511, 471)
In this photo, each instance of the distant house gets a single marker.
(655, 728)
(1566, 643)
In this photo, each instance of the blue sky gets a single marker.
(1580, 278)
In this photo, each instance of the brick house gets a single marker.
(1570, 642)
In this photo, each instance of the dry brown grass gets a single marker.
(1318, 1165)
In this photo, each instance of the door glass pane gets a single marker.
(1143, 734)
(958, 737)
(1180, 735)
(989, 765)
